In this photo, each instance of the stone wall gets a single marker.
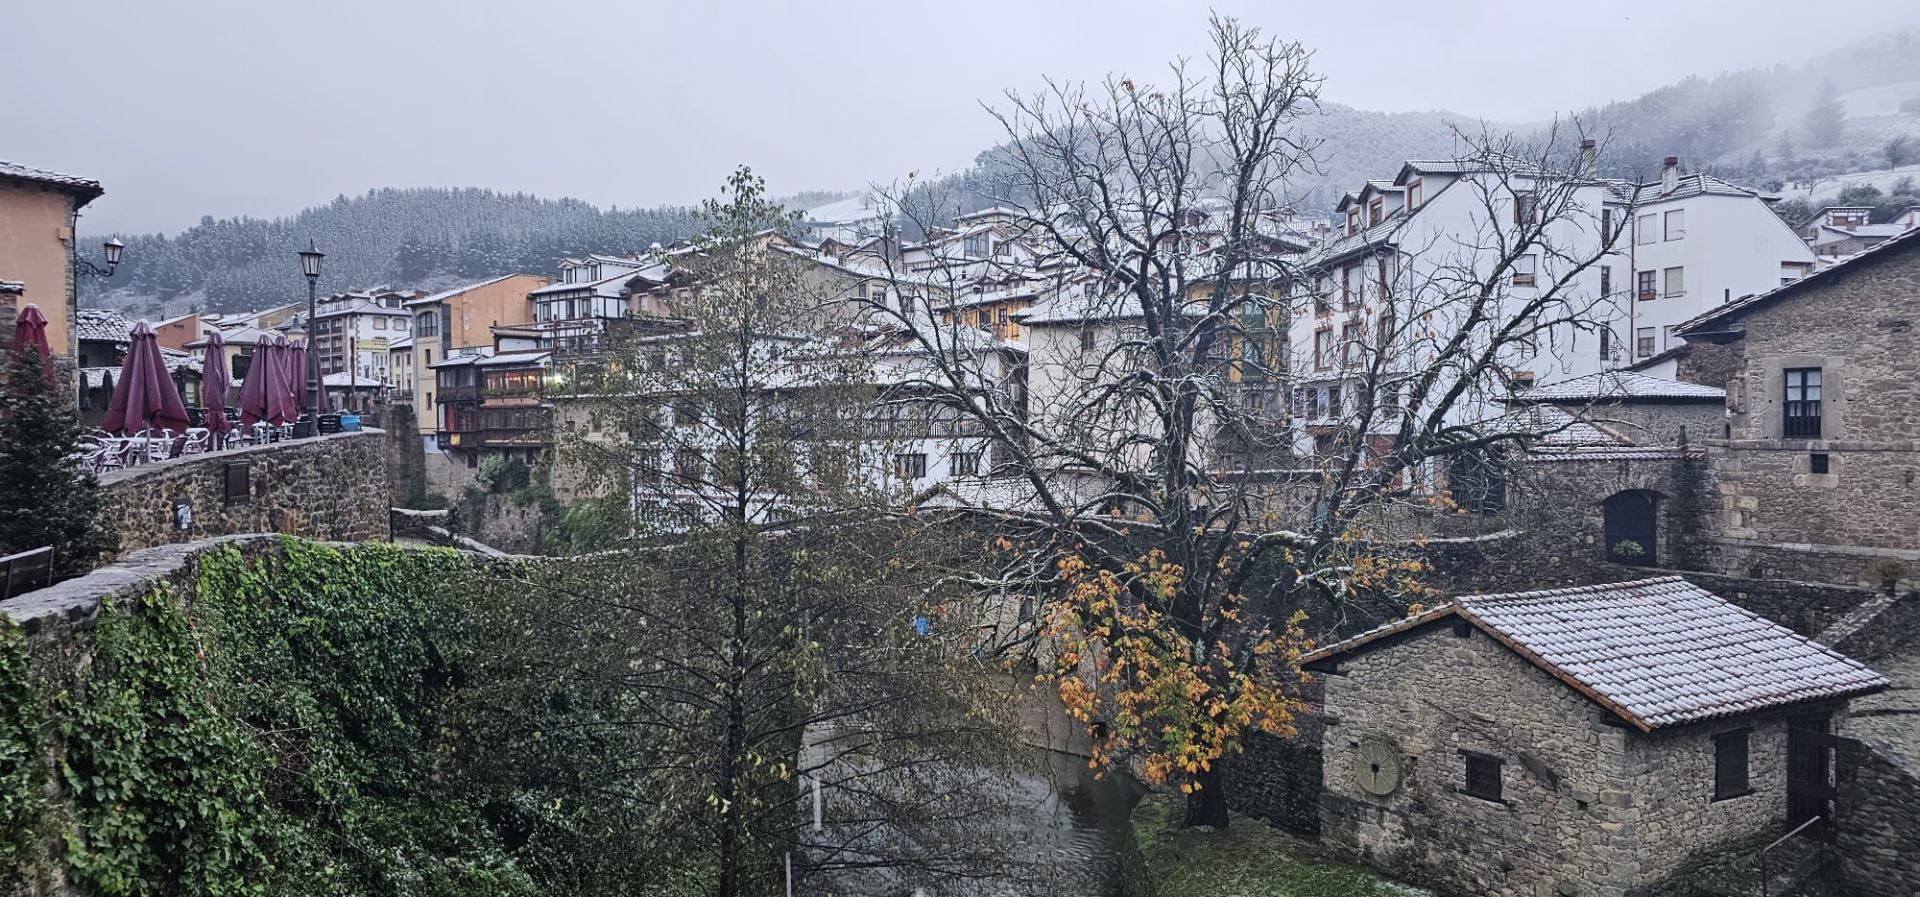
(329, 488)
(1588, 806)
(1279, 780)
(406, 459)
(1878, 836)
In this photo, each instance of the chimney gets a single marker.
(1669, 174)
(1589, 157)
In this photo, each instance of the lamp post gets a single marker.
(310, 266)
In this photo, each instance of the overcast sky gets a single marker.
(245, 107)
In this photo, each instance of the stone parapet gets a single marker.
(332, 488)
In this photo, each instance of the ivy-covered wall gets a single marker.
(255, 716)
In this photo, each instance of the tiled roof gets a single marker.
(1693, 185)
(87, 187)
(102, 325)
(1551, 427)
(1908, 240)
(1658, 652)
(1620, 385)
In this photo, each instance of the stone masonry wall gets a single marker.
(1563, 821)
(329, 487)
(1849, 524)
(1878, 835)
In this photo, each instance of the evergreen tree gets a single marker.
(1827, 117)
(45, 499)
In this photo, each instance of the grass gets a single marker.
(1247, 860)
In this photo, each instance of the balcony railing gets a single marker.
(449, 394)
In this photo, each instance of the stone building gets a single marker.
(1582, 742)
(1819, 478)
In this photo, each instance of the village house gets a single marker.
(38, 255)
(1836, 232)
(1817, 476)
(458, 321)
(353, 330)
(1585, 741)
(1407, 245)
(1695, 242)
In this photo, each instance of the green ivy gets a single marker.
(21, 772)
(291, 727)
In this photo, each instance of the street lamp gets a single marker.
(310, 266)
(111, 249)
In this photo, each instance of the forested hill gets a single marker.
(426, 238)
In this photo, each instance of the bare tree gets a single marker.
(1898, 150)
(1159, 495)
(761, 629)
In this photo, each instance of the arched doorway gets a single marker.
(1632, 527)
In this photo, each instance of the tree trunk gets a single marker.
(1208, 806)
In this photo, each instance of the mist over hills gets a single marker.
(1839, 112)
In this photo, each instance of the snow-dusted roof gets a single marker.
(444, 295)
(1692, 185)
(102, 325)
(1867, 230)
(506, 358)
(345, 380)
(1657, 653)
(86, 187)
(1620, 386)
(402, 343)
(1887, 249)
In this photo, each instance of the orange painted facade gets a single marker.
(36, 236)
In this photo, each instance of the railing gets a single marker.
(448, 394)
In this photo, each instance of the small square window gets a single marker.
(1819, 462)
(239, 482)
(1483, 776)
(1730, 764)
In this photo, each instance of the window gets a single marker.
(1730, 764)
(1388, 325)
(1526, 208)
(1606, 342)
(1676, 224)
(1645, 285)
(1349, 287)
(1353, 221)
(1477, 481)
(689, 465)
(964, 464)
(1643, 342)
(910, 465)
(1383, 277)
(1376, 210)
(975, 246)
(1801, 419)
(1334, 408)
(1524, 269)
(1483, 776)
(1606, 225)
(1676, 282)
(1643, 229)
(1086, 339)
(1606, 282)
(1350, 345)
(379, 323)
(1819, 462)
(1323, 348)
(1322, 290)
(1416, 193)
